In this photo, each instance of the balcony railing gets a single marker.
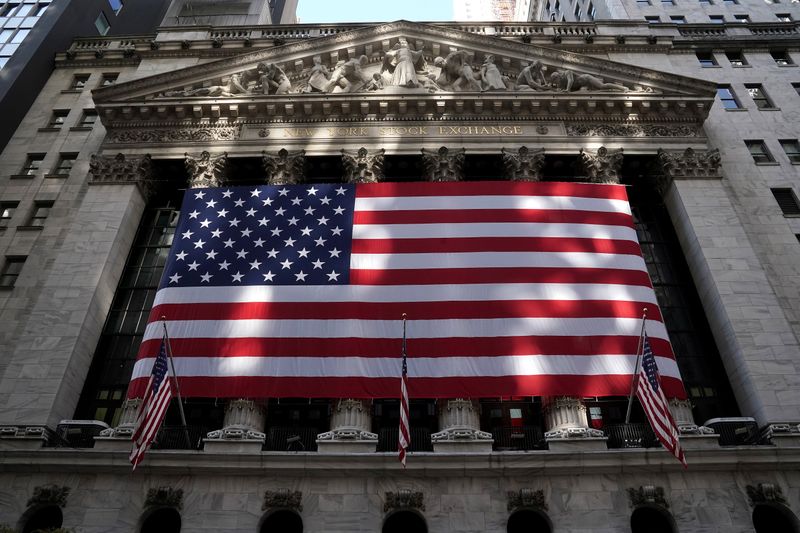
(289, 439)
(175, 438)
(630, 436)
(518, 438)
(420, 440)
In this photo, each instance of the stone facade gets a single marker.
(741, 250)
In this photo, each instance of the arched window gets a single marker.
(163, 520)
(47, 517)
(283, 521)
(651, 520)
(774, 519)
(404, 522)
(528, 521)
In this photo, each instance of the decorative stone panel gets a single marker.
(524, 164)
(765, 493)
(174, 135)
(444, 164)
(164, 497)
(283, 499)
(49, 495)
(404, 499)
(647, 495)
(632, 130)
(526, 499)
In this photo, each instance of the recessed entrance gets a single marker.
(404, 522)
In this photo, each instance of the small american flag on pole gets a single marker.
(651, 395)
(403, 435)
(154, 406)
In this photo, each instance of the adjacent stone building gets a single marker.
(698, 121)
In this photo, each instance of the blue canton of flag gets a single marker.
(649, 365)
(263, 235)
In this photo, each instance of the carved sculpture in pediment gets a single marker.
(602, 166)
(443, 164)
(362, 166)
(348, 76)
(491, 78)
(403, 63)
(272, 79)
(567, 81)
(532, 77)
(456, 72)
(233, 87)
(284, 168)
(524, 164)
(206, 170)
(318, 77)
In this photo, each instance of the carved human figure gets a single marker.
(532, 77)
(491, 78)
(232, 87)
(375, 84)
(456, 72)
(272, 79)
(523, 165)
(403, 63)
(348, 76)
(319, 76)
(565, 80)
(284, 168)
(363, 167)
(443, 164)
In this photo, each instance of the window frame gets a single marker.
(740, 58)
(85, 114)
(113, 76)
(99, 21)
(716, 19)
(712, 58)
(740, 18)
(40, 213)
(784, 61)
(7, 209)
(764, 157)
(794, 155)
(8, 278)
(79, 82)
(731, 98)
(677, 19)
(58, 169)
(784, 17)
(53, 123)
(762, 102)
(794, 208)
(32, 165)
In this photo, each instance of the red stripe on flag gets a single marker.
(505, 244)
(488, 188)
(456, 276)
(454, 216)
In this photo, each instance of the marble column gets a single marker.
(567, 425)
(243, 428)
(459, 422)
(119, 437)
(351, 421)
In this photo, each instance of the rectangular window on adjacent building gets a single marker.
(706, 3)
(792, 150)
(109, 79)
(759, 96)
(717, 19)
(116, 5)
(6, 212)
(88, 118)
(796, 88)
(65, 164)
(727, 97)
(58, 118)
(759, 151)
(79, 81)
(643, 3)
(652, 19)
(101, 23)
(706, 59)
(731, 2)
(11, 270)
(781, 58)
(33, 163)
(741, 18)
(667, 2)
(678, 19)
(787, 201)
(784, 17)
(41, 209)
(736, 58)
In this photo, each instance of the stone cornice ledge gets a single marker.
(620, 462)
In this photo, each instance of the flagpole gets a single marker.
(635, 376)
(175, 381)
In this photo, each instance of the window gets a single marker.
(79, 82)
(592, 11)
(717, 19)
(643, 3)
(784, 17)
(19, 36)
(32, 164)
(796, 88)
(706, 3)
(11, 270)
(759, 96)
(706, 59)
(736, 58)
(787, 201)
(781, 58)
(58, 118)
(40, 212)
(652, 19)
(101, 23)
(759, 152)
(678, 19)
(65, 164)
(792, 150)
(731, 2)
(6, 212)
(109, 79)
(88, 118)
(727, 97)
(40, 9)
(667, 2)
(742, 18)
(116, 5)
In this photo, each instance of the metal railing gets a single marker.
(518, 438)
(630, 436)
(420, 440)
(174, 438)
(289, 439)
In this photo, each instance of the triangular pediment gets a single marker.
(393, 67)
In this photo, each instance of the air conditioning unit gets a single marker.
(79, 433)
(735, 431)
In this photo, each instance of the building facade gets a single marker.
(696, 120)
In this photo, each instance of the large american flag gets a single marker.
(651, 396)
(510, 288)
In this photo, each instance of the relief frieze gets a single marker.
(177, 134)
(421, 131)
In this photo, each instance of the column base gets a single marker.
(784, 434)
(463, 446)
(223, 446)
(347, 440)
(113, 444)
(21, 443)
(577, 444)
(699, 441)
